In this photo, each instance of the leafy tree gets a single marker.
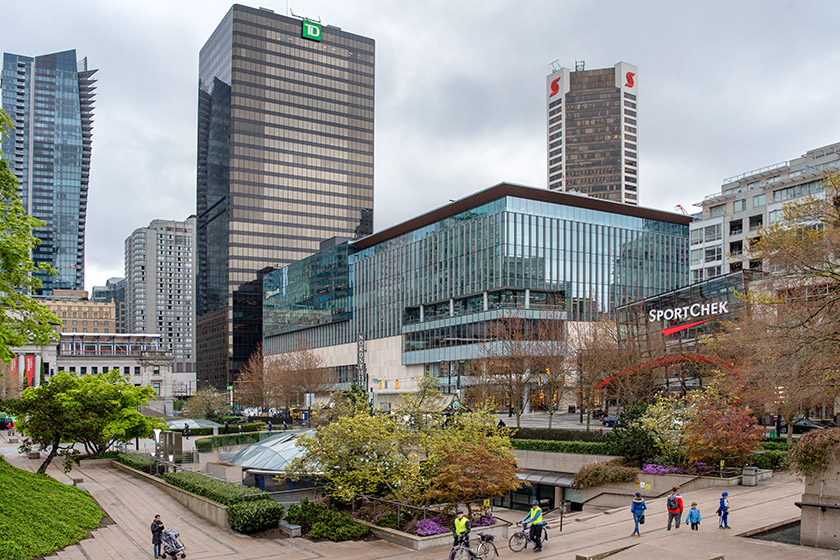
(629, 439)
(205, 402)
(471, 472)
(803, 248)
(95, 410)
(720, 428)
(361, 454)
(667, 419)
(23, 320)
(424, 407)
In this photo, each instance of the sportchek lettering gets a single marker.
(630, 82)
(694, 310)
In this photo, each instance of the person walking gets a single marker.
(675, 507)
(226, 426)
(157, 529)
(535, 518)
(187, 430)
(693, 517)
(269, 426)
(723, 511)
(637, 508)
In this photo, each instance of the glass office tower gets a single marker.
(50, 101)
(421, 295)
(285, 161)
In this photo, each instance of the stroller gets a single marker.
(172, 547)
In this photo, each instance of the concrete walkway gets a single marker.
(132, 504)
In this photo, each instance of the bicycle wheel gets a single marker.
(459, 553)
(486, 551)
(518, 542)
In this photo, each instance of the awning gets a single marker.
(548, 478)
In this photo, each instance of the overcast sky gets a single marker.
(724, 87)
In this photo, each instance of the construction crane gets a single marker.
(681, 209)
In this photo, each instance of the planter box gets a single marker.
(229, 473)
(207, 509)
(414, 542)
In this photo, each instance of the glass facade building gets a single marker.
(285, 161)
(49, 99)
(593, 131)
(435, 282)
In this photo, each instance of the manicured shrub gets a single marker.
(337, 526)
(388, 520)
(770, 459)
(250, 516)
(305, 514)
(555, 434)
(585, 447)
(204, 445)
(106, 455)
(253, 427)
(774, 445)
(597, 474)
(143, 463)
(208, 444)
(195, 431)
(226, 493)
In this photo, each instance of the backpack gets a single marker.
(672, 502)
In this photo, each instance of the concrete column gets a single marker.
(820, 528)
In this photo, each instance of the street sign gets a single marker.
(230, 387)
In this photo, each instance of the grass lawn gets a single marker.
(39, 515)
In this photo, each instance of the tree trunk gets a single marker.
(53, 452)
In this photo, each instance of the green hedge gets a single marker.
(559, 435)
(251, 516)
(774, 445)
(195, 431)
(143, 463)
(770, 459)
(598, 474)
(205, 445)
(585, 447)
(226, 493)
(321, 522)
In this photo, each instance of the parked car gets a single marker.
(802, 426)
(609, 421)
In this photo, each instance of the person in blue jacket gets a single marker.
(723, 511)
(693, 517)
(535, 518)
(637, 508)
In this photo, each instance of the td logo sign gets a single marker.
(311, 30)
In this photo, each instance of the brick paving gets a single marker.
(132, 504)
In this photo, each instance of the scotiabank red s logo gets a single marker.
(554, 87)
(630, 82)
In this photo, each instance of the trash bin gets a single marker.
(749, 476)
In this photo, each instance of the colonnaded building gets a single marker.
(417, 298)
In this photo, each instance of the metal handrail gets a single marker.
(823, 507)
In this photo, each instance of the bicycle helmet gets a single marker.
(535, 502)
(725, 494)
(459, 512)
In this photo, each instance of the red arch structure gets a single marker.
(676, 359)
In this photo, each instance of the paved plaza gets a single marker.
(132, 504)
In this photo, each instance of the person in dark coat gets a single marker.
(157, 529)
(187, 431)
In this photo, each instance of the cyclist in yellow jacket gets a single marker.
(461, 530)
(535, 518)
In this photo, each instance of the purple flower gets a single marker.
(428, 527)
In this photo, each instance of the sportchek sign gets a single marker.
(687, 312)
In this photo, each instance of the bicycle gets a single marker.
(519, 540)
(486, 549)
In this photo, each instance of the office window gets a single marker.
(94, 370)
(717, 211)
(136, 370)
(759, 200)
(739, 205)
(126, 370)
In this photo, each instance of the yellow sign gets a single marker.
(397, 384)
(487, 503)
(645, 485)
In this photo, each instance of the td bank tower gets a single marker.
(285, 162)
(592, 131)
